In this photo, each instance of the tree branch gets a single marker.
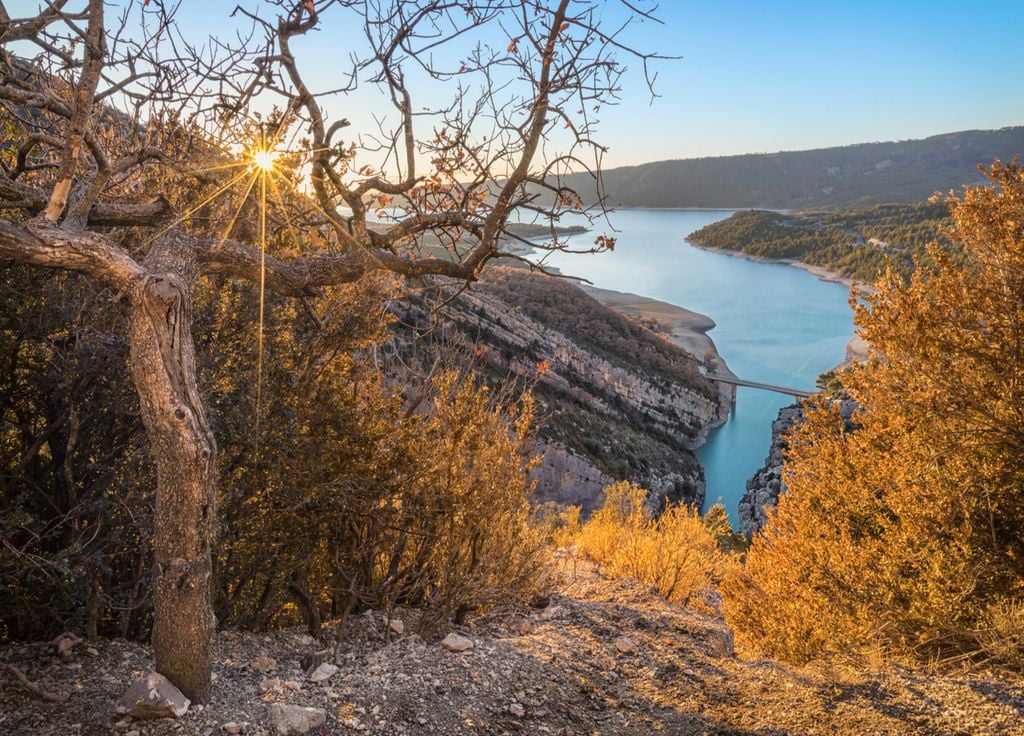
(95, 56)
(41, 243)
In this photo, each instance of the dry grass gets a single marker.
(675, 552)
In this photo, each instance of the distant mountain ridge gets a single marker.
(862, 174)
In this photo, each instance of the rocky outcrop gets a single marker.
(616, 401)
(764, 489)
(565, 478)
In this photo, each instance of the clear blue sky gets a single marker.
(768, 76)
(758, 75)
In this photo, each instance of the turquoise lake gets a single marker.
(775, 323)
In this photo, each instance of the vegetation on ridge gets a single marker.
(859, 244)
(904, 537)
(857, 175)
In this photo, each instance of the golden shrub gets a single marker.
(905, 535)
(559, 525)
(676, 552)
(1001, 637)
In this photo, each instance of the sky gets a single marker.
(763, 75)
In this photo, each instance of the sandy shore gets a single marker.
(821, 272)
(684, 327)
(856, 351)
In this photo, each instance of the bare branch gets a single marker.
(81, 118)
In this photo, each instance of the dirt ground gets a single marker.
(605, 657)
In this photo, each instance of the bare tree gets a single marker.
(92, 108)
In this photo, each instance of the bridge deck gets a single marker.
(754, 384)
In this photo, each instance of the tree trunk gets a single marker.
(163, 365)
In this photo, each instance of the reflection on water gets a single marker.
(776, 324)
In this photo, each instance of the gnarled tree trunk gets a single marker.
(163, 364)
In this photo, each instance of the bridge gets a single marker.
(734, 381)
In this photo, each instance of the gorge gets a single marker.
(774, 324)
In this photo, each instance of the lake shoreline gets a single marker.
(824, 274)
(857, 348)
(684, 327)
(775, 325)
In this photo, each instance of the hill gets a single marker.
(847, 176)
(851, 243)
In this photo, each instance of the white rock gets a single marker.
(625, 645)
(294, 719)
(233, 727)
(66, 643)
(550, 612)
(457, 643)
(324, 672)
(397, 627)
(517, 710)
(152, 697)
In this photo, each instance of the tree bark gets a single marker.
(163, 364)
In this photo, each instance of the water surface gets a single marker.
(775, 323)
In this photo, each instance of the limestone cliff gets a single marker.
(616, 400)
(764, 489)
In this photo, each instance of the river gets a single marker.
(775, 323)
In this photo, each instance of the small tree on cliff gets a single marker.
(76, 175)
(906, 535)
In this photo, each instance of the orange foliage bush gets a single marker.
(675, 552)
(906, 535)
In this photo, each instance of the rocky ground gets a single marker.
(604, 657)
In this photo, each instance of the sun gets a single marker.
(263, 160)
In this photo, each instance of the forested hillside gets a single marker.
(853, 243)
(846, 176)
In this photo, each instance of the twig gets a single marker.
(31, 686)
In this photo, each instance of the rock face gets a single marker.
(153, 697)
(615, 400)
(764, 489)
(294, 719)
(567, 478)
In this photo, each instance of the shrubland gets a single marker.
(903, 538)
(354, 489)
(675, 551)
